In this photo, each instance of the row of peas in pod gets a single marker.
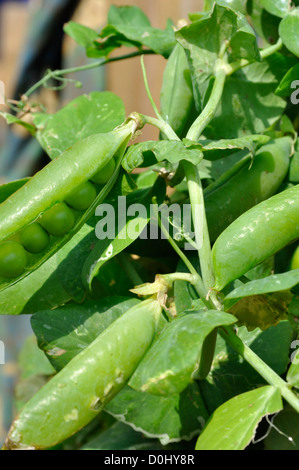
(56, 221)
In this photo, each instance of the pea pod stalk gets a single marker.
(73, 397)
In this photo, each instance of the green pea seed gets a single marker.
(13, 259)
(34, 238)
(58, 220)
(82, 198)
(104, 175)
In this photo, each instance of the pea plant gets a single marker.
(164, 301)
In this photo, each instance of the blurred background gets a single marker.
(32, 40)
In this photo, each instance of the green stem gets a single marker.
(177, 276)
(231, 68)
(195, 190)
(202, 237)
(210, 109)
(162, 125)
(147, 88)
(271, 49)
(57, 74)
(197, 281)
(260, 366)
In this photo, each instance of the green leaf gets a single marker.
(294, 168)
(232, 118)
(270, 26)
(119, 228)
(184, 292)
(150, 152)
(32, 361)
(269, 284)
(170, 419)
(129, 26)
(98, 112)
(272, 345)
(293, 372)
(9, 188)
(170, 365)
(262, 270)
(120, 436)
(34, 371)
(263, 310)
(231, 375)
(130, 15)
(288, 30)
(238, 5)
(214, 150)
(233, 425)
(10, 119)
(64, 332)
(278, 8)
(285, 87)
(83, 35)
(204, 39)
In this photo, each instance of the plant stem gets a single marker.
(197, 281)
(260, 366)
(177, 276)
(198, 211)
(210, 109)
(271, 49)
(57, 74)
(162, 125)
(147, 88)
(202, 237)
(231, 68)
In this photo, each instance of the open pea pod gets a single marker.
(45, 212)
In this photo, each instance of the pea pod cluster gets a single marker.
(73, 397)
(246, 184)
(46, 211)
(256, 235)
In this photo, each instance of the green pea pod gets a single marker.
(7, 189)
(43, 196)
(255, 236)
(176, 98)
(73, 397)
(246, 184)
